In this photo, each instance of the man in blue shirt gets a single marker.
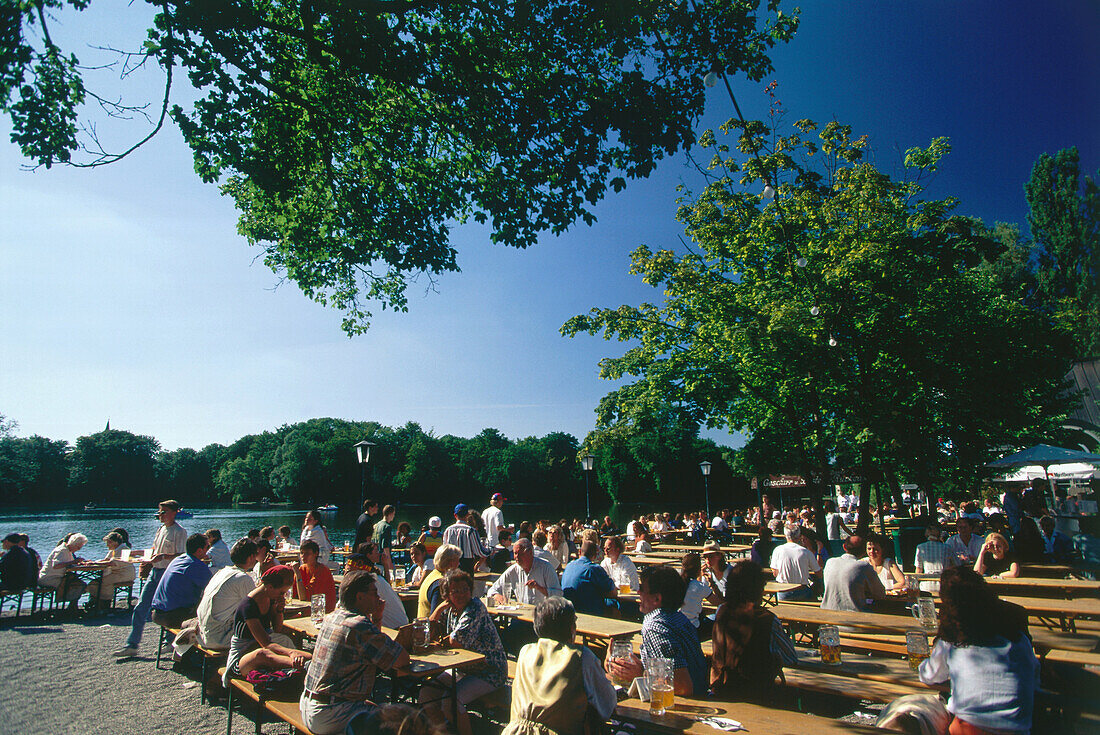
(180, 589)
(585, 583)
(666, 633)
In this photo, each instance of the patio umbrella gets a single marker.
(1044, 456)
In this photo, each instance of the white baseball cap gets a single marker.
(434, 522)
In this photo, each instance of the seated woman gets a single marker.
(266, 559)
(430, 595)
(995, 560)
(283, 540)
(750, 644)
(259, 639)
(691, 567)
(421, 564)
(559, 685)
(55, 572)
(887, 571)
(117, 573)
(983, 649)
(313, 578)
(468, 625)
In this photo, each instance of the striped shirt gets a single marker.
(932, 557)
(467, 539)
(348, 654)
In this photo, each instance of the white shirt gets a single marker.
(169, 540)
(546, 556)
(393, 616)
(493, 517)
(693, 601)
(719, 523)
(560, 554)
(541, 571)
(317, 534)
(971, 550)
(621, 571)
(218, 605)
(642, 547)
(51, 573)
(793, 563)
(832, 526)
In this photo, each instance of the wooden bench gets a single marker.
(209, 656)
(282, 707)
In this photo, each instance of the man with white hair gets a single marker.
(532, 579)
(794, 564)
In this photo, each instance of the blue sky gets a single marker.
(127, 295)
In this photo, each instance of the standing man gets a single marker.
(462, 535)
(364, 526)
(170, 542)
(794, 564)
(493, 517)
(383, 537)
(350, 651)
(180, 589)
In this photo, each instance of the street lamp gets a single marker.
(587, 463)
(362, 451)
(704, 467)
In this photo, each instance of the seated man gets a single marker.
(1057, 546)
(349, 652)
(224, 593)
(851, 582)
(180, 590)
(532, 579)
(586, 584)
(218, 552)
(15, 566)
(617, 564)
(666, 633)
(559, 685)
(501, 555)
(795, 564)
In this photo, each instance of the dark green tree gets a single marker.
(353, 136)
(114, 466)
(1064, 218)
(33, 470)
(186, 475)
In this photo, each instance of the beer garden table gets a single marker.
(590, 627)
(686, 714)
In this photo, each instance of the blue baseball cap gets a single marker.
(462, 509)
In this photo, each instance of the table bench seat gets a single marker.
(282, 707)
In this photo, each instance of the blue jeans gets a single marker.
(802, 593)
(144, 608)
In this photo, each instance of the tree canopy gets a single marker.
(844, 322)
(352, 136)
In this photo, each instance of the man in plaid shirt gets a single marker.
(350, 650)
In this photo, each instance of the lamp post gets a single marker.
(362, 451)
(704, 467)
(587, 462)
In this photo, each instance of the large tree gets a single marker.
(353, 135)
(1064, 218)
(843, 321)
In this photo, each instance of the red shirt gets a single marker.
(317, 582)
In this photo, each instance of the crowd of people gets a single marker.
(232, 598)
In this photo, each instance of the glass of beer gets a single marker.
(916, 645)
(659, 677)
(624, 589)
(422, 635)
(828, 637)
(621, 649)
(317, 609)
(924, 610)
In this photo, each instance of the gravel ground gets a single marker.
(63, 679)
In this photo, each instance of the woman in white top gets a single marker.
(118, 572)
(618, 565)
(418, 553)
(691, 566)
(312, 530)
(889, 572)
(55, 572)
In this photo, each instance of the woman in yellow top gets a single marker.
(428, 598)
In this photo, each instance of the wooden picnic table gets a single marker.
(590, 627)
(870, 668)
(1065, 611)
(685, 714)
(687, 548)
(1027, 586)
(811, 615)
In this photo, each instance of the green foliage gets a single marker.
(113, 466)
(31, 469)
(846, 322)
(1064, 218)
(353, 136)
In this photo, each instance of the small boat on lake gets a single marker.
(328, 508)
(183, 515)
(90, 506)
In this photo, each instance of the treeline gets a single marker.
(314, 462)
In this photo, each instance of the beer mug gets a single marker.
(659, 672)
(422, 635)
(916, 646)
(828, 638)
(317, 609)
(924, 610)
(621, 650)
(490, 599)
